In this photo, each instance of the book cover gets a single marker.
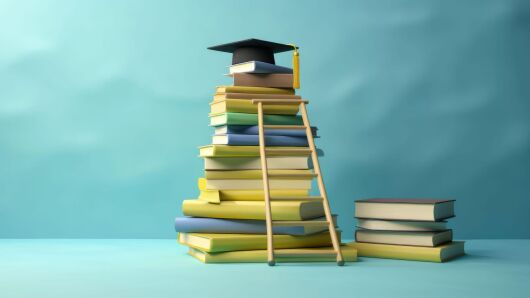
(412, 238)
(211, 242)
(258, 90)
(252, 119)
(275, 80)
(243, 151)
(240, 226)
(405, 209)
(254, 163)
(253, 140)
(349, 254)
(242, 184)
(289, 210)
(223, 96)
(258, 67)
(258, 174)
(254, 130)
(438, 254)
(216, 196)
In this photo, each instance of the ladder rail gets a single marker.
(316, 165)
(321, 186)
(266, 190)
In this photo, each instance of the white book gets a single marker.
(258, 67)
(400, 225)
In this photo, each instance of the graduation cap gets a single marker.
(260, 50)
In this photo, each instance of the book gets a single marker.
(289, 210)
(438, 254)
(241, 184)
(405, 209)
(252, 119)
(223, 96)
(255, 174)
(254, 130)
(274, 80)
(216, 196)
(253, 140)
(258, 90)
(258, 67)
(242, 151)
(349, 254)
(398, 225)
(246, 106)
(209, 242)
(431, 239)
(241, 226)
(254, 163)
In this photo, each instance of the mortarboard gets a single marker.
(260, 50)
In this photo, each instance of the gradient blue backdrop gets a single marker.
(103, 103)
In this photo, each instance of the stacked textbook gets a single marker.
(409, 229)
(226, 223)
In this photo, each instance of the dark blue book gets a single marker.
(253, 130)
(253, 140)
(239, 226)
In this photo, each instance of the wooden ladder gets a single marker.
(271, 254)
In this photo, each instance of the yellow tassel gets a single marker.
(296, 68)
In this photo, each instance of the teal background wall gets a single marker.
(103, 103)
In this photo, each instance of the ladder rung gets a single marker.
(296, 198)
(298, 223)
(288, 151)
(279, 101)
(300, 253)
(269, 126)
(280, 175)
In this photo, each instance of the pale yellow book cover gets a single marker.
(289, 210)
(260, 256)
(216, 196)
(258, 174)
(246, 106)
(440, 253)
(236, 151)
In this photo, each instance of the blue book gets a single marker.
(253, 130)
(258, 67)
(253, 140)
(239, 226)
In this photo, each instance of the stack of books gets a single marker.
(227, 221)
(408, 229)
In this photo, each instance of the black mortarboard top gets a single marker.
(252, 50)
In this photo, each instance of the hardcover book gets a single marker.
(430, 239)
(252, 119)
(209, 242)
(243, 151)
(400, 225)
(253, 130)
(246, 106)
(216, 196)
(275, 80)
(405, 209)
(289, 210)
(258, 90)
(254, 163)
(242, 184)
(349, 254)
(438, 254)
(258, 67)
(241, 226)
(223, 96)
(253, 140)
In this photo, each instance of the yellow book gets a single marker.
(260, 256)
(247, 96)
(233, 242)
(289, 210)
(438, 254)
(246, 106)
(235, 151)
(256, 90)
(250, 184)
(216, 196)
(258, 174)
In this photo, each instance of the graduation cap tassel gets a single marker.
(296, 67)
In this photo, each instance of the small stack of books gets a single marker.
(226, 223)
(408, 229)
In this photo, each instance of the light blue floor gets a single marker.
(160, 268)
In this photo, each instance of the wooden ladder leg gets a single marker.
(266, 191)
(322, 188)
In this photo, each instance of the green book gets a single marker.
(252, 119)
